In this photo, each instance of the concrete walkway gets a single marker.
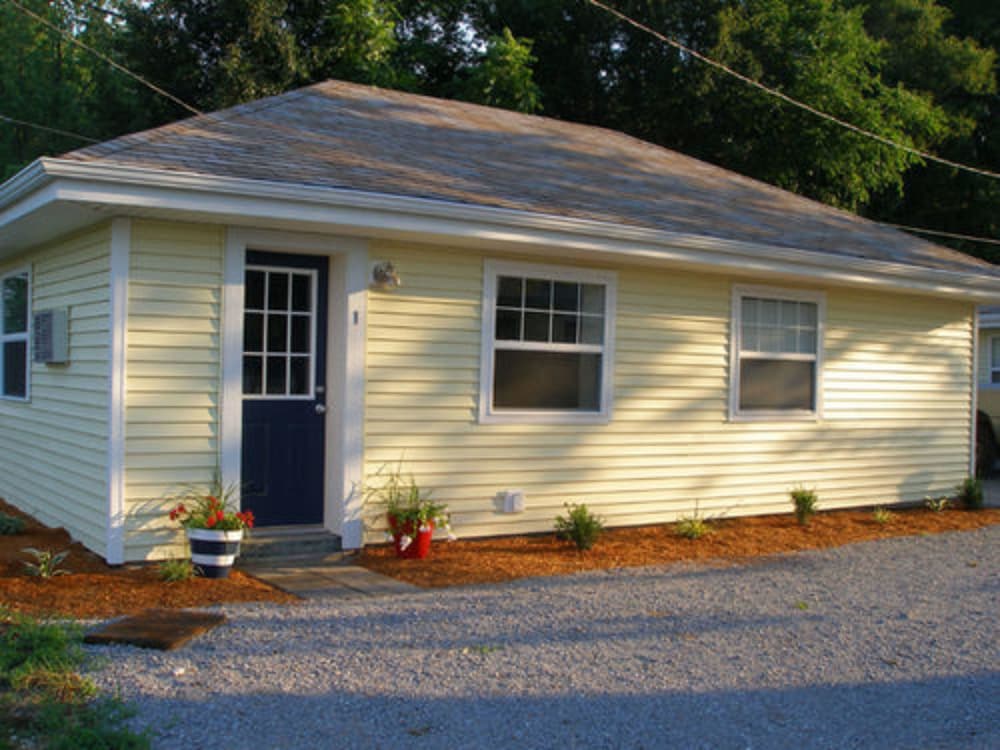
(329, 577)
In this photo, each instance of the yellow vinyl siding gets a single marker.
(53, 461)
(173, 375)
(895, 403)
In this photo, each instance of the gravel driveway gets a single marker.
(890, 644)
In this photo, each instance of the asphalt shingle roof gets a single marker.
(348, 136)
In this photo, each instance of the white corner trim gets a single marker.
(735, 314)
(354, 302)
(121, 241)
(231, 383)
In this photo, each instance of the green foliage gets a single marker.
(922, 72)
(579, 526)
(172, 571)
(937, 504)
(10, 524)
(883, 515)
(46, 564)
(504, 77)
(692, 527)
(400, 497)
(806, 503)
(44, 702)
(970, 494)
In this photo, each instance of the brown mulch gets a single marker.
(94, 589)
(737, 539)
(97, 590)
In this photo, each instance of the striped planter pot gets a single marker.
(214, 552)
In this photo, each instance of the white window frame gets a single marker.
(609, 280)
(735, 336)
(992, 341)
(24, 336)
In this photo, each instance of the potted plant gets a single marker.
(214, 529)
(410, 514)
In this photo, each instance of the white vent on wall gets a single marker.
(51, 340)
(513, 501)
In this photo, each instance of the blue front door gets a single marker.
(284, 387)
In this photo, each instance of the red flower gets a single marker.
(210, 522)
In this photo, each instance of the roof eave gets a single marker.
(128, 189)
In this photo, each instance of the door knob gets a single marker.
(321, 408)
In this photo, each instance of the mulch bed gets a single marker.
(736, 539)
(94, 589)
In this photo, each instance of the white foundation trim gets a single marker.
(121, 241)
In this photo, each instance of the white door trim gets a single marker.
(345, 365)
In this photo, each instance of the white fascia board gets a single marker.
(376, 214)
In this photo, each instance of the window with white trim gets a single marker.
(16, 290)
(547, 343)
(995, 360)
(777, 339)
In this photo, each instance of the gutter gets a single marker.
(244, 200)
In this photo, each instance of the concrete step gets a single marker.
(290, 542)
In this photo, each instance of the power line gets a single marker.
(938, 233)
(789, 100)
(47, 129)
(121, 68)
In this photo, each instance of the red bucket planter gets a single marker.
(420, 539)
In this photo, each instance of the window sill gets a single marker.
(775, 416)
(544, 417)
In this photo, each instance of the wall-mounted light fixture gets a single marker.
(384, 276)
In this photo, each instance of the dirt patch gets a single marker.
(507, 558)
(95, 589)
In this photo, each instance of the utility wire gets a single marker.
(787, 99)
(47, 129)
(121, 68)
(938, 233)
(606, 8)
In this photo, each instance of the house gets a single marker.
(582, 317)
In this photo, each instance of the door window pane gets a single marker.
(253, 374)
(301, 293)
(254, 291)
(300, 334)
(277, 291)
(253, 332)
(298, 376)
(277, 333)
(276, 367)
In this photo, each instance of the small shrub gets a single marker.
(692, 527)
(46, 563)
(937, 504)
(882, 515)
(579, 526)
(172, 571)
(805, 502)
(970, 493)
(10, 524)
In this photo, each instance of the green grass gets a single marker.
(44, 702)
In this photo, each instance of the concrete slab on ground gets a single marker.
(321, 579)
